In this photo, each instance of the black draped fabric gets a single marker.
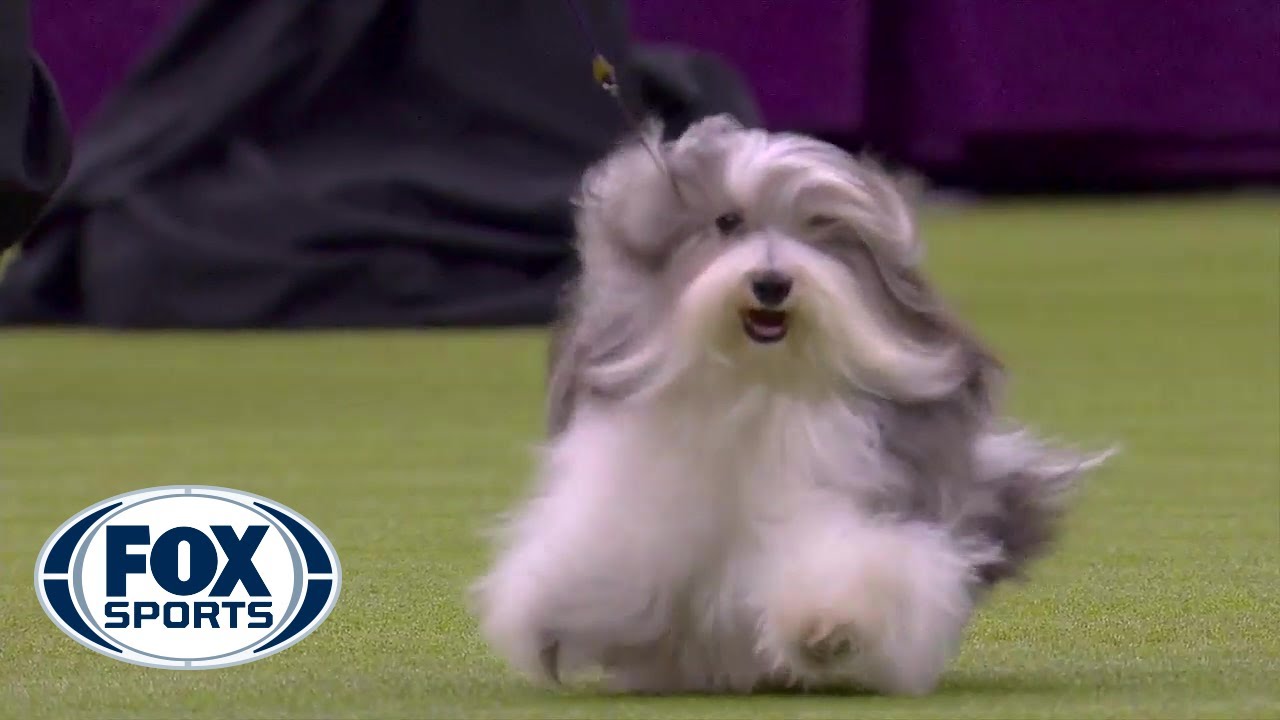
(324, 164)
(34, 141)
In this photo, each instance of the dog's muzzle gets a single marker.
(767, 322)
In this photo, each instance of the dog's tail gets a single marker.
(1025, 484)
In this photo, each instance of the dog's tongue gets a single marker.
(767, 319)
(766, 325)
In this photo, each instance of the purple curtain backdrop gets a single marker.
(90, 45)
(1087, 90)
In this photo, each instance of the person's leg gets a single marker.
(35, 144)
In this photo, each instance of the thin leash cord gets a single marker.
(607, 78)
(601, 69)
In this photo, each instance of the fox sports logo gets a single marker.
(188, 577)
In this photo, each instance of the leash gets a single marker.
(601, 69)
(607, 78)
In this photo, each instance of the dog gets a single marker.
(775, 458)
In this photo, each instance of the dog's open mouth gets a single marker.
(764, 326)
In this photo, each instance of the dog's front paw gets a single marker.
(828, 642)
(821, 642)
(554, 632)
(517, 635)
(883, 613)
(815, 642)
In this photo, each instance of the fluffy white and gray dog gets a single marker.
(775, 458)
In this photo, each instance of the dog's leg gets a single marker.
(561, 592)
(881, 605)
(591, 564)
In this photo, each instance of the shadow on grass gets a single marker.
(1010, 684)
(955, 685)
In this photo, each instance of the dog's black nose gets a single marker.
(771, 287)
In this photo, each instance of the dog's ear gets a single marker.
(915, 307)
(875, 235)
(626, 202)
(595, 351)
(884, 209)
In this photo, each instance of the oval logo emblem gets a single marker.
(188, 577)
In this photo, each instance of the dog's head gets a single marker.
(774, 256)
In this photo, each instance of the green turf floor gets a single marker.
(1151, 323)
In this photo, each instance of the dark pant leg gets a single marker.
(35, 146)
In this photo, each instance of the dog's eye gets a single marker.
(817, 222)
(728, 222)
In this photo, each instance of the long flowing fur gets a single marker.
(716, 514)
